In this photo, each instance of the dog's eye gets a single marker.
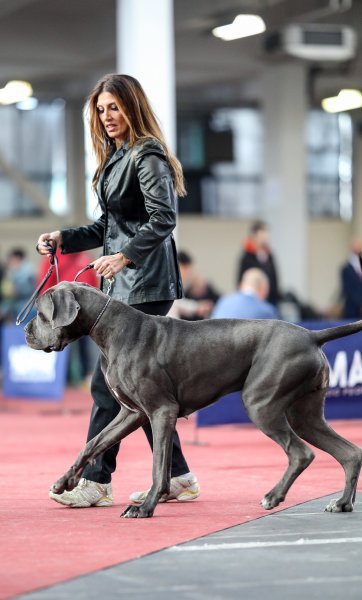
(41, 316)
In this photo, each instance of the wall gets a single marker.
(329, 242)
(24, 233)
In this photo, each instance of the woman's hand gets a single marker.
(108, 266)
(54, 239)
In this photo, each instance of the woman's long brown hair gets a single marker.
(134, 105)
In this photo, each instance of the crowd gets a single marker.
(18, 280)
(257, 292)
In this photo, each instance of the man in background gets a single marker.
(351, 279)
(200, 295)
(257, 254)
(249, 301)
(17, 285)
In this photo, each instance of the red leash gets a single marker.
(24, 313)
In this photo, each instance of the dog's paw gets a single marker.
(335, 506)
(267, 504)
(271, 501)
(58, 487)
(136, 512)
(66, 483)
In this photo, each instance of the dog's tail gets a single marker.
(334, 333)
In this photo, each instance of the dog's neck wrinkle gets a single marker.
(100, 315)
(102, 326)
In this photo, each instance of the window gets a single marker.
(329, 164)
(222, 158)
(222, 155)
(32, 152)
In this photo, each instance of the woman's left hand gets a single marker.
(108, 266)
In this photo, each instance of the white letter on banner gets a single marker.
(338, 373)
(355, 374)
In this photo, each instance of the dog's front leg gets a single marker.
(123, 424)
(163, 422)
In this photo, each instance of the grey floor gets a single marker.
(298, 553)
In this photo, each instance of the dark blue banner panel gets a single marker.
(31, 373)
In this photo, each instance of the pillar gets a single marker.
(74, 143)
(145, 50)
(285, 199)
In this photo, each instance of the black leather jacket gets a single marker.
(138, 203)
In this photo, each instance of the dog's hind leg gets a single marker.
(122, 425)
(274, 424)
(306, 417)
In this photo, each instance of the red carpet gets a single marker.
(43, 543)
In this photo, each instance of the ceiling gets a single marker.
(62, 47)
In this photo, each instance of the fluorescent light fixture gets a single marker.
(28, 104)
(242, 26)
(346, 100)
(15, 91)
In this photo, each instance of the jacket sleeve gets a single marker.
(247, 261)
(87, 237)
(156, 185)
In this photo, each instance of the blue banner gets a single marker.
(31, 373)
(344, 397)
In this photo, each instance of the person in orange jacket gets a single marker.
(68, 267)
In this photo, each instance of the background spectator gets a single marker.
(2, 273)
(69, 265)
(249, 302)
(17, 284)
(351, 279)
(257, 254)
(82, 352)
(200, 295)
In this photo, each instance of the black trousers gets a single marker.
(105, 409)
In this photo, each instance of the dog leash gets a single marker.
(110, 282)
(24, 313)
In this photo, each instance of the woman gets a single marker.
(137, 180)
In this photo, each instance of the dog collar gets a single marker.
(100, 315)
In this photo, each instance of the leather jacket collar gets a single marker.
(117, 154)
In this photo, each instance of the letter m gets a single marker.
(339, 371)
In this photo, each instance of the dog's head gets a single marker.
(55, 324)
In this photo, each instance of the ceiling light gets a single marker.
(346, 100)
(242, 26)
(15, 91)
(27, 104)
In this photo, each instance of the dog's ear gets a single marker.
(65, 308)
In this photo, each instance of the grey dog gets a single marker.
(160, 369)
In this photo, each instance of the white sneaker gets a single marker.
(182, 488)
(86, 493)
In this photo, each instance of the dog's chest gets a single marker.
(124, 401)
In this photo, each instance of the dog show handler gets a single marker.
(137, 182)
